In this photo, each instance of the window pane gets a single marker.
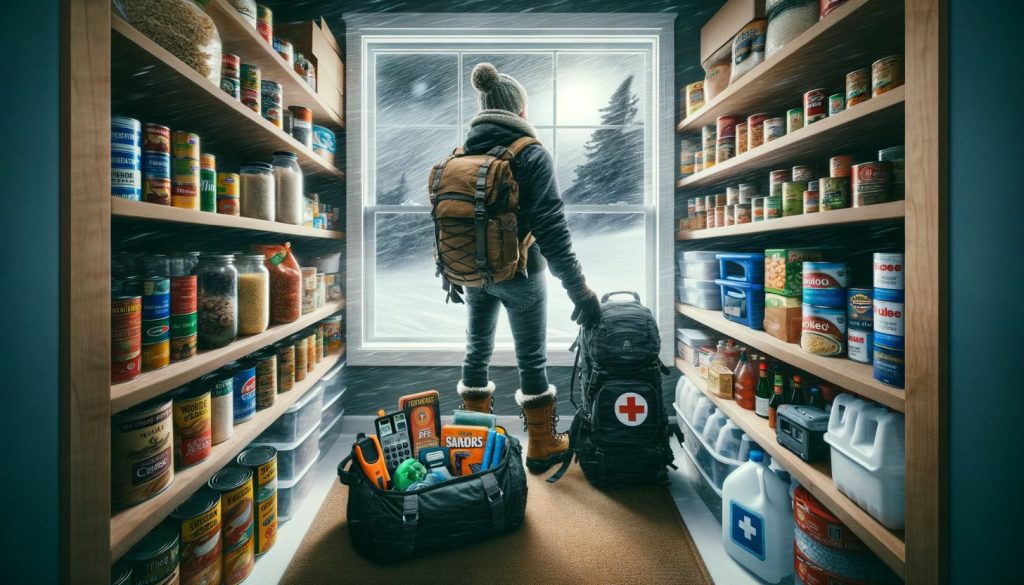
(404, 157)
(588, 82)
(534, 71)
(417, 89)
(602, 166)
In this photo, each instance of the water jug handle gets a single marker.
(865, 438)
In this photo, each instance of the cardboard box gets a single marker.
(724, 25)
(720, 381)
(317, 43)
(784, 270)
(782, 317)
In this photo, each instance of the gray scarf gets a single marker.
(504, 118)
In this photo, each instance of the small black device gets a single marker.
(393, 432)
(801, 429)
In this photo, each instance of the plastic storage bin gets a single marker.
(700, 298)
(743, 302)
(291, 493)
(699, 270)
(868, 452)
(747, 268)
(333, 383)
(332, 413)
(298, 420)
(293, 457)
(689, 342)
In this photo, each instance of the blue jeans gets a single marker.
(525, 300)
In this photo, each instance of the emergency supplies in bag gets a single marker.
(474, 200)
(620, 433)
(387, 526)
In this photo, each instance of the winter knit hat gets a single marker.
(498, 91)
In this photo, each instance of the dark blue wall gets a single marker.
(986, 243)
(29, 159)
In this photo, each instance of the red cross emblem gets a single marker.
(631, 409)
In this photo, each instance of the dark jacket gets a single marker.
(541, 210)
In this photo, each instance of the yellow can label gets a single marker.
(266, 479)
(201, 548)
(238, 563)
(266, 530)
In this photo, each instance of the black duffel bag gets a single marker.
(388, 526)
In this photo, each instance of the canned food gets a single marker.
(834, 193)
(155, 559)
(208, 182)
(824, 284)
(742, 213)
(261, 461)
(694, 205)
(193, 436)
(815, 106)
(794, 120)
(870, 183)
(231, 75)
(889, 364)
(221, 385)
(894, 154)
(694, 97)
(200, 530)
(888, 271)
(125, 172)
(840, 166)
(125, 133)
(793, 197)
(757, 209)
(721, 199)
(725, 149)
(732, 195)
(265, 23)
(802, 173)
(775, 181)
(183, 347)
(239, 563)
(836, 103)
(156, 355)
(774, 128)
(156, 298)
(125, 338)
(185, 145)
(141, 459)
(285, 49)
(725, 126)
(234, 484)
(156, 165)
(301, 357)
(243, 390)
(822, 329)
(157, 191)
(858, 86)
(859, 309)
(747, 192)
(285, 366)
(886, 74)
(888, 318)
(698, 161)
(741, 138)
(859, 345)
(185, 183)
(811, 200)
(227, 193)
(729, 215)
(272, 102)
(156, 138)
(719, 216)
(772, 207)
(266, 524)
(266, 377)
(251, 86)
(311, 354)
(755, 130)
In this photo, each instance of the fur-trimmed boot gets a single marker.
(546, 446)
(477, 398)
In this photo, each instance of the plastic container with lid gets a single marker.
(258, 191)
(757, 520)
(297, 421)
(291, 493)
(294, 456)
(741, 267)
(333, 383)
(217, 289)
(691, 340)
(288, 180)
(743, 303)
(332, 412)
(702, 298)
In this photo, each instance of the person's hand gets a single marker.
(587, 310)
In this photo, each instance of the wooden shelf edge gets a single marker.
(850, 375)
(153, 212)
(128, 526)
(816, 478)
(152, 384)
(883, 211)
(820, 130)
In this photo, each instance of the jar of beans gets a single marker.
(258, 197)
(218, 300)
(253, 294)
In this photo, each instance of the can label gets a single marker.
(822, 329)
(814, 106)
(810, 202)
(244, 385)
(250, 87)
(125, 132)
(840, 166)
(888, 317)
(870, 183)
(742, 213)
(266, 382)
(156, 139)
(141, 456)
(239, 563)
(793, 197)
(272, 102)
(725, 149)
(810, 573)
(755, 130)
(802, 173)
(157, 191)
(185, 145)
(183, 294)
(156, 165)
(207, 190)
(183, 348)
(156, 298)
(888, 271)
(286, 368)
(231, 86)
(889, 366)
(858, 86)
(836, 103)
(126, 173)
(301, 357)
(824, 284)
(886, 75)
(201, 548)
(859, 345)
(813, 521)
(266, 516)
(185, 196)
(228, 201)
(859, 311)
(890, 341)
(774, 128)
(794, 120)
(186, 171)
(183, 325)
(125, 338)
(155, 330)
(772, 207)
(834, 193)
(193, 438)
(156, 355)
(236, 507)
(265, 23)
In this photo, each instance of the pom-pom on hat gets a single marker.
(498, 91)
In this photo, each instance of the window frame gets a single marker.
(408, 32)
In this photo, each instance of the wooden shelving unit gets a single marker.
(815, 477)
(852, 376)
(894, 210)
(128, 526)
(878, 120)
(152, 384)
(163, 213)
(819, 58)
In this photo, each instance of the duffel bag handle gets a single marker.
(347, 477)
(495, 500)
(607, 296)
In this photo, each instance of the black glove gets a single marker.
(588, 308)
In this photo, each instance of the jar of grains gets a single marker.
(258, 191)
(218, 300)
(289, 182)
(253, 295)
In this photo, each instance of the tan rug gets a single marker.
(573, 534)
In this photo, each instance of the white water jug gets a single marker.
(691, 401)
(716, 421)
(757, 520)
(682, 392)
(701, 412)
(729, 438)
(746, 446)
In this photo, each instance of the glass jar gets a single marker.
(155, 265)
(288, 180)
(258, 191)
(218, 300)
(309, 290)
(253, 295)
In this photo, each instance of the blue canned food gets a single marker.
(890, 341)
(125, 132)
(126, 172)
(243, 376)
(156, 298)
(156, 165)
(859, 314)
(155, 331)
(889, 365)
(824, 284)
(888, 295)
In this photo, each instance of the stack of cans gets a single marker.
(183, 316)
(156, 164)
(185, 183)
(125, 337)
(125, 158)
(860, 324)
(889, 344)
(230, 75)
(208, 182)
(156, 327)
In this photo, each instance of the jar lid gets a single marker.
(286, 154)
(218, 258)
(257, 166)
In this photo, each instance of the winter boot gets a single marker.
(476, 398)
(546, 446)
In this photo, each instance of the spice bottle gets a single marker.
(288, 180)
(253, 294)
(218, 300)
(258, 191)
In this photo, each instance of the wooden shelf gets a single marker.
(848, 374)
(815, 477)
(894, 210)
(820, 57)
(128, 526)
(165, 213)
(240, 38)
(152, 85)
(155, 383)
(877, 123)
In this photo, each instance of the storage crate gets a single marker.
(334, 383)
(293, 457)
(332, 413)
(298, 420)
(702, 298)
(743, 303)
(747, 268)
(291, 493)
(714, 467)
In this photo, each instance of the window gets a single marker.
(593, 101)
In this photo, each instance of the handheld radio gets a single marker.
(393, 431)
(371, 459)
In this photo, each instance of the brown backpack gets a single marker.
(476, 235)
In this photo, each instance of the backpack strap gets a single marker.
(518, 146)
(480, 219)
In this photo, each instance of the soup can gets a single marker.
(156, 558)
(251, 83)
(755, 130)
(776, 179)
(834, 193)
(721, 199)
(156, 355)
(141, 458)
(719, 216)
(234, 484)
(815, 106)
(858, 86)
(222, 410)
(802, 173)
(757, 209)
(156, 298)
(774, 128)
(156, 191)
(193, 433)
(742, 213)
(870, 183)
(728, 215)
(725, 149)
(741, 138)
(794, 120)
(243, 391)
(836, 103)
(285, 49)
(747, 192)
(732, 195)
(793, 197)
(811, 200)
(239, 563)
(156, 138)
(840, 166)
(725, 126)
(859, 312)
(311, 354)
(272, 102)
(886, 74)
(231, 75)
(228, 200)
(266, 377)
(207, 182)
(125, 133)
(824, 284)
(708, 137)
(301, 356)
(199, 518)
(125, 172)
(888, 271)
(823, 330)
(125, 338)
(262, 462)
(772, 207)
(265, 23)
(895, 155)
(859, 345)
(185, 145)
(698, 160)
(888, 318)
(889, 365)
(266, 524)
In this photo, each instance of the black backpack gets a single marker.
(621, 432)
